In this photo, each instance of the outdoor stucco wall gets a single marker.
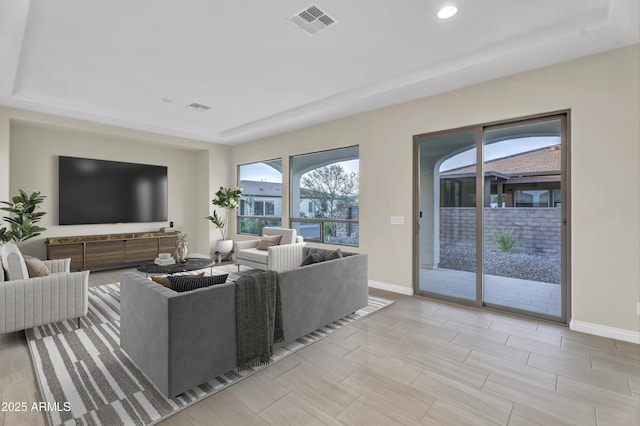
(602, 93)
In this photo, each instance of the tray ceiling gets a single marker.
(230, 72)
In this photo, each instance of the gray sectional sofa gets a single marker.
(181, 340)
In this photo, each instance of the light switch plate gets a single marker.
(397, 220)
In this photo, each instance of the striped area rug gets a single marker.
(86, 379)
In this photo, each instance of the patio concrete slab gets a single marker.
(533, 296)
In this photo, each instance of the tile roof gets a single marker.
(540, 161)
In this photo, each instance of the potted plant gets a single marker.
(228, 199)
(23, 222)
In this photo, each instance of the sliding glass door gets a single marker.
(522, 223)
(447, 216)
(491, 209)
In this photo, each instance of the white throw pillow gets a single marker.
(15, 268)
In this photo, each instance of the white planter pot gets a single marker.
(224, 246)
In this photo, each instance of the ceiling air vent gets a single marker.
(198, 107)
(312, 20)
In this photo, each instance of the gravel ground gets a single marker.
(543, 267)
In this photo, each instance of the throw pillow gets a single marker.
(164, 280)
(268, 241)
(182, 283)
(36, 267)
(161, 280)
(333, 254)
(311, 259)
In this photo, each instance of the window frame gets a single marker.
(324, 224)
(262, 220)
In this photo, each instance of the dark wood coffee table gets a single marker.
(192, 264)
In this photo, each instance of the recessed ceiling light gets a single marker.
(447, 12)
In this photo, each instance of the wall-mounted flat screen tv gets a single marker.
(100, 191)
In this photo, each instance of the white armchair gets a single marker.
(284, 256)
(28, 302)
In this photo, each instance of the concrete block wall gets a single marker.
(536, 229)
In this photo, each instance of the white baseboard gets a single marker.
(391, 287)
(605, 331)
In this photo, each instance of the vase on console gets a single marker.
(181, 251)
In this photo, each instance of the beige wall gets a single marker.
(33, 142)
(4, 156)
(603, 94)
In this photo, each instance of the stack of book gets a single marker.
(164, 259)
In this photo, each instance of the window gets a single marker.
(557, 198)
(324, 196)
(261, 202)
(258, 208)
(532, 198)
(269, 208)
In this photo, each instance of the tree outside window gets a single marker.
(325, 195)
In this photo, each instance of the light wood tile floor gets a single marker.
(415, 362)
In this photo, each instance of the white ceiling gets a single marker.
(139, 63)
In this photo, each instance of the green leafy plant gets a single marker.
(505, 240)
(23, 219)
(228, 199)
(248, 226)
(330, 229)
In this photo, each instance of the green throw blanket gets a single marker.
(258, 318)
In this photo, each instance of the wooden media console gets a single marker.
(111, 250)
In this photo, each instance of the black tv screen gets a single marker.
(100, 191)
